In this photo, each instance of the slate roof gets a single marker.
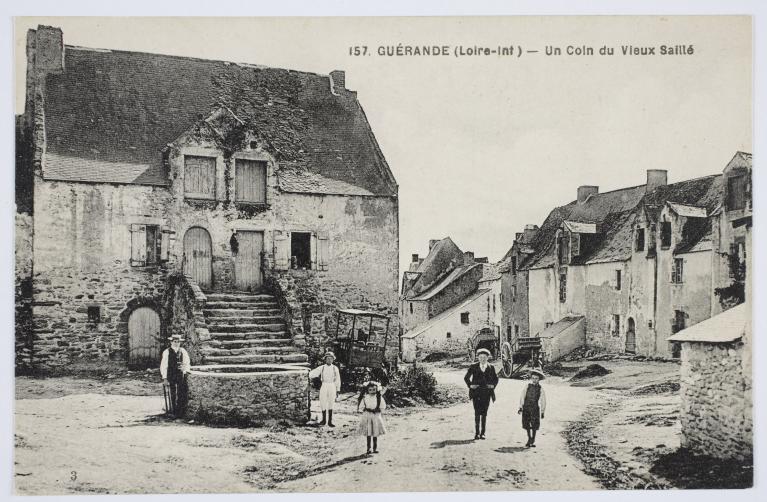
(615, 213)
(110, 113)
(453, 276)
(444, 257)
(726, 327)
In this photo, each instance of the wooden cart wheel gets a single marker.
(506, 360)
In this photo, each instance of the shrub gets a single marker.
(411, 385)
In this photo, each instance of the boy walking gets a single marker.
(532, 406)
(481, 380)
(330, 376)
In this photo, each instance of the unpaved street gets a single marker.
(435, 451)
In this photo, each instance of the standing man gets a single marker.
(532, 406)
(174, 368)
(481, 380)
(330, 376)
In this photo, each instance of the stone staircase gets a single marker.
(247, 329)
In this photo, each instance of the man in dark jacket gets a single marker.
(481, 380)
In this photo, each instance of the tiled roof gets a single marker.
(696, 236)
(726, 327)
(418, 330)
(110, 113)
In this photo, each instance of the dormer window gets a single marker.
(736, 192)
(199, 177)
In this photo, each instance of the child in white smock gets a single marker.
(371, 403)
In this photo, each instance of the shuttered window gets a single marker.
(200, 177)
(150, 244)
(250, 181)
(736, 192)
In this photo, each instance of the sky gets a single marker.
(483, 145)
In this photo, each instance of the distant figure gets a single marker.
(331, 386)
(532, 406)
(481, 380)
(371, 403)
(174, 367)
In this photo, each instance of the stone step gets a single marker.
(260, 320)
(258, 359)
(236, 297)
(254, 342)
(241, 312)
(249, 335)
(215, 304)
(240, 328)
(214, 351)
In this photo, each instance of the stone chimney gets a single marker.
(585, 191)
(432, 242)
(49, 49)
(656, 178)
(468, 258)
(530, 232)
(338, 80)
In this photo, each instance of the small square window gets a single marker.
(464, 318)
(94, 313)
(449, 335)
(301, 250)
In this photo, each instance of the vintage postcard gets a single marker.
(390, 254)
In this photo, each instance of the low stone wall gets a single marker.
(248, 395)
(716, 410)
(183, 304)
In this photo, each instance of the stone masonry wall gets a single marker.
(716, 412)
(455, 292)
(182, 308)
(249, 399)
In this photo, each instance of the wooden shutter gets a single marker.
(167, 236)
(575, 244)
(200, 177)
(322, 251)
(250, 181)
(281, 251)
(138, 245)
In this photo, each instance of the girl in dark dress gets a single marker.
(532, 406)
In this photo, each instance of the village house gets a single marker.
(628, 267)
(716, 372)
(446, 298)
(237, 204)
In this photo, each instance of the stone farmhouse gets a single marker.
(237, 204)
(628, 268)
(446, 298)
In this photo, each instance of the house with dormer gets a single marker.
(250, 183)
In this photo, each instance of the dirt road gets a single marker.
(434, 450)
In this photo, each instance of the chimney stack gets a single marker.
(530, 232)
(49, 49)
(338, 80)
(656, 178)
(432, 242)
(468, 258)
(585, 191)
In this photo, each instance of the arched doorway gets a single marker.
(631, 342)
(197, 256)
(144, 343)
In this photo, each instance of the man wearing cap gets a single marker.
(532, 406)
(481, 380)
(174, 367)
(330, 376)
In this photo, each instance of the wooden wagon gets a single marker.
(360, 339)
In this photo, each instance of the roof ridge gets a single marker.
(243, 64)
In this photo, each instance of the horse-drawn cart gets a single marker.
(514, 353)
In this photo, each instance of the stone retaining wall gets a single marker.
(249, 398)
(716, 409)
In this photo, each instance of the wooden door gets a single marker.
(144, 343)
(197, 256)
(631, 337)
(247, 263)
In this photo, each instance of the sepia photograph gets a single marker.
(382, 254)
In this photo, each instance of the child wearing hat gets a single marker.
(481, 380)
(532, 406)
(330, 376)
(174, 367)
(371, 403)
